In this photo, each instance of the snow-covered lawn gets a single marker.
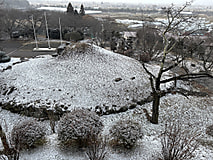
(89, 80)
(172, 106)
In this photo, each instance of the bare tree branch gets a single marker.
(172, 66)
(172, 31)
(147, 71)
(187, 77)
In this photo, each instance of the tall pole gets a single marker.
(36, 41)
(48, 38)
(60, 29)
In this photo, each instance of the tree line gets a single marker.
(73, 11)
(13, 20)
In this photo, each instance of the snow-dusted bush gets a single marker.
(209, 130)
(125, 133)
(78, 126)
(27, 134)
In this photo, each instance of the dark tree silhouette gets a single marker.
(82, 11)
(75, 12)
(70, 8)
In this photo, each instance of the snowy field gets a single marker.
(201, 22)
(100, 78)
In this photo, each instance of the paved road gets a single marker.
(21, 48)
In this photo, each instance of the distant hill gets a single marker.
(18, 4)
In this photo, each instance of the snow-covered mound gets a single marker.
(99, 77)
(96, 77)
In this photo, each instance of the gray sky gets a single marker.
(200, 2)
(196, 2)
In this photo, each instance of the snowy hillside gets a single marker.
(97, 77)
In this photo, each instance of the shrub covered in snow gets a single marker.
(78, 126)
(125, 133)
(209, 130)
(27, 134)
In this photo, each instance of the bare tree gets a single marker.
(9, 151)
(172, 28)
(207, 56)
(38, 18)
(177, 142)
(149, 41)
(12, 20)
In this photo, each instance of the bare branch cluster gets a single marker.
(24, 135)
(97, 149)
(177, 142)
(173, 40)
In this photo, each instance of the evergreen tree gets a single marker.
(82, 11)
(75, 12)
(70, 8)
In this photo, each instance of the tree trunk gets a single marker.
(155, 108)
(4, 140)
(10, 152)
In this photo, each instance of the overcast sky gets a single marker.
(200, 2)
(196, 2)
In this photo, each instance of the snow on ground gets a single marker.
(198, 111)
(200, 23)
(128, 21)
(87, 80)
(3, 66)
(99, 78)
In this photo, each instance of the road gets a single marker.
(21, 48)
